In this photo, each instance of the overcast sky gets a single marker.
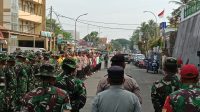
(109, 11)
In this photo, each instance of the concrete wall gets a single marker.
(188, 40)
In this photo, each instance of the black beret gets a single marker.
(115, 72)
(118, 58)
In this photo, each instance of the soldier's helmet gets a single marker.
(170, 64)
(2, 81)
(69, 62)
(189, 71)
(46, 70)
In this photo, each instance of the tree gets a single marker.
(116, 45)
(93, 38)
(67, 35)
(54, 26)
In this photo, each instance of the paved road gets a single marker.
(144, 80)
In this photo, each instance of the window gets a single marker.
(32, 8)
(20, 5)
(39, 44)
(25, 43)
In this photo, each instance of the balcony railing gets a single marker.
(191, 8)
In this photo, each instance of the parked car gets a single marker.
(137, 58)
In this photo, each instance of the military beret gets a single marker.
(189, 71)
(115, 72)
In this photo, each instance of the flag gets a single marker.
(161, 14)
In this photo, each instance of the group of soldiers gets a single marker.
(178, 90)
(43, 81)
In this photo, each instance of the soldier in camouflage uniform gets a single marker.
(75, 87)
(187, 98)
(2, 95)
(22, 79)
(2, 83)
(162, 88)
(30, 71)
(46, 98)
(10, 78)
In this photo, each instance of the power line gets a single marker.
(109, 23)
(93, 24)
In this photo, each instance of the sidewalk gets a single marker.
(91, 86)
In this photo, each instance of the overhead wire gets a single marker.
(93, 24)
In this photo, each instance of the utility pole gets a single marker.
(51, 28)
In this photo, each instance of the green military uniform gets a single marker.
(10, 78)
(30, 72)
(162, 88)
(46, 98)
(2, 95)
(75, 87)
(3, 105)
(187, 99)
(21, 81)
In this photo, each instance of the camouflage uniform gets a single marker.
(185, 100)
(10, 77)
(46, 98)
(3, 106)
(75, 87)
(161, 89)
(21, 83)
(2, 96)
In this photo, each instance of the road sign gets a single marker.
(163, 25)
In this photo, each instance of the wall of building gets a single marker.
(188, 40)
(1, 12)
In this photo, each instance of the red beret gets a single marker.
(189, 71)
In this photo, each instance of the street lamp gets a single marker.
(155, 19)
(75, 25)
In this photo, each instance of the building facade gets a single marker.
(23, 21)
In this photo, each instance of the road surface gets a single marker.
(144, 80)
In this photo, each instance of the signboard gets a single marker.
(13, 36)
(59, 39)
(163, 25)
(46, 34)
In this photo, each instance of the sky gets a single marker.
(109, 11)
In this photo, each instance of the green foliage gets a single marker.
(118, 44)
(67, 35)
(93, 38)
(54, 26)
(148, 31)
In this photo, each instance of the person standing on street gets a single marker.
(162, 88)
(106, 58)
(129, 84)
(116, 98)
(187, 98)
(74, 86)
(46, 98)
